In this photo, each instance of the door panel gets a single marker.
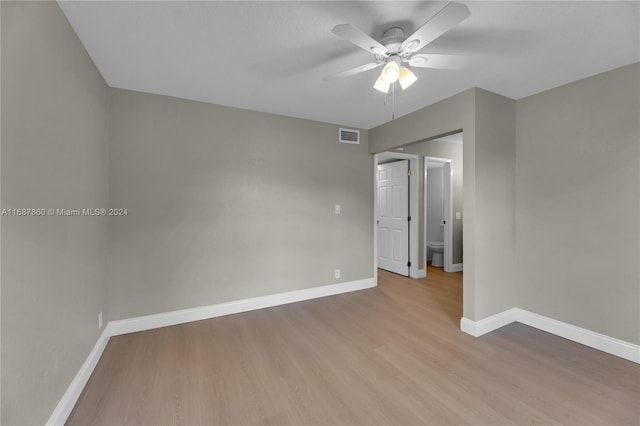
(393, 211)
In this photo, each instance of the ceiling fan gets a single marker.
(395, 49)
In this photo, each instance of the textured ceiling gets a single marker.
(273, 56)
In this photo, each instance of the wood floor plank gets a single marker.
(390, 355)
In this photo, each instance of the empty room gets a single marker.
(320, 213)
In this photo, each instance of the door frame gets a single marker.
(413, 210)
(448, 211)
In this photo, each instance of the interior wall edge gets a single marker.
(451, 115)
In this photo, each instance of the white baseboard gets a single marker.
(115, 328)
(68, 401)
(456, 267)
(149, 322)
(610, 345)
(486, 325)
(602, 342)
(421, 273)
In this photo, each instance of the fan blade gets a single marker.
(360, 39)
(448, 17)
(353, 71)
(432, 60)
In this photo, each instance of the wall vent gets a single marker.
(349, 136)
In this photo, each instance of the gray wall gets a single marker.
(495, 177)
(223, 204)
(447, 116)
(54, 154)
(574, 222)
(488, 121)
(578, 186)
(436, 148)
(227, 204)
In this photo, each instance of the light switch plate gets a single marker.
(337, 209)
(458, 215)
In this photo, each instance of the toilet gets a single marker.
(437, 250)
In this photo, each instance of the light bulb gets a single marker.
(381, 86)
(390, 72)
(406, 77)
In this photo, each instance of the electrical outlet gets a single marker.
(99, 320)
(336, 273)
(337, 209)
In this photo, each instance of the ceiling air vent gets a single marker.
(349, 136)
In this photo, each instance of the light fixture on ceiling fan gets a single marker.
(393, 71)
(395, 49)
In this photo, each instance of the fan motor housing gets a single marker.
(392, 39)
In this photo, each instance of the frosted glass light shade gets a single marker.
(381, 86)
(406, 77)
(390, 72)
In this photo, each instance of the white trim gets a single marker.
(456, 267)
(422, 273)
(114, 328)
(604, 343)
(468, 326)
(448, 213)
(486, 325)
(70, 397)
(165, 319)
(375, 219)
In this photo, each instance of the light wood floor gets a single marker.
(391, 355)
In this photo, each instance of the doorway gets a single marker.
(438, 207)
(393, 214)
(449, 150)
(396, 232)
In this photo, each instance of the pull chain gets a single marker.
(393, 101)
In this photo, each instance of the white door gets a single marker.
(393, 217)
